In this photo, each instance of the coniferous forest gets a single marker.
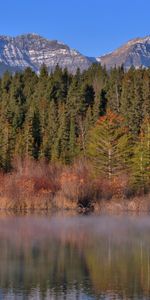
(95, 125)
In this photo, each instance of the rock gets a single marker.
(134, 53)
(31, 50)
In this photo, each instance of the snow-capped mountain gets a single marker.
(134, 53)
(31, 50)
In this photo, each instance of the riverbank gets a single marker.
(36, 204)
(134, 204)
(39, 186)
(45, 201)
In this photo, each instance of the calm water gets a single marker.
(74, 257)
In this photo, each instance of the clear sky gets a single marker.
(93, 27)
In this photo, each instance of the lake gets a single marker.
(77, 257)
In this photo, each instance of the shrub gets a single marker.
(76, 184)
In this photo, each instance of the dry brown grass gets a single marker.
(32, 185)
(37, 185)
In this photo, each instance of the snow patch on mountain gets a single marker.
(32, 50)
(135, 53)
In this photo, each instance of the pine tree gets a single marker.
(72, 139)
(141, 158)
(36, 133)
(146, 93)
(114, 89)
(50, 132)
(108, 145)
(132, 101)
(26, 140)
(6, 146)
(60, 149)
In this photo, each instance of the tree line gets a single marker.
(102, 115)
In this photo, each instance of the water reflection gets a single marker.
(74, 258)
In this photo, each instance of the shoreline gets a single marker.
(140, 204)
(43, 187)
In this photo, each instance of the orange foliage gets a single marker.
(110, 117)
(39, 185)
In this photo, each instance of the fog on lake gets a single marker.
(77, 257)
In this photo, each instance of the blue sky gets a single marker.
(94, 27)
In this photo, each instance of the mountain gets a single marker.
(134, 53)
(31, 50)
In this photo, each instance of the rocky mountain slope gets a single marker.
(31, 50)
(134, 53)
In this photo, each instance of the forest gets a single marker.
(82, 137)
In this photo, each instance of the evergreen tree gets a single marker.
(72, 138)
(60, 150)
(50, 132)
(25, 141)
(146, 93)
(108, 145)
(6, 146)
(141, 158)
(131, 100)
(114, 89)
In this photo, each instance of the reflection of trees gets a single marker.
(122, 271)
(32, 258)
(59, 259)
(46, 265)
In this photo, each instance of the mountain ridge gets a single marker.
(135, 52)
(33, 50)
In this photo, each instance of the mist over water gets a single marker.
(77, 257)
